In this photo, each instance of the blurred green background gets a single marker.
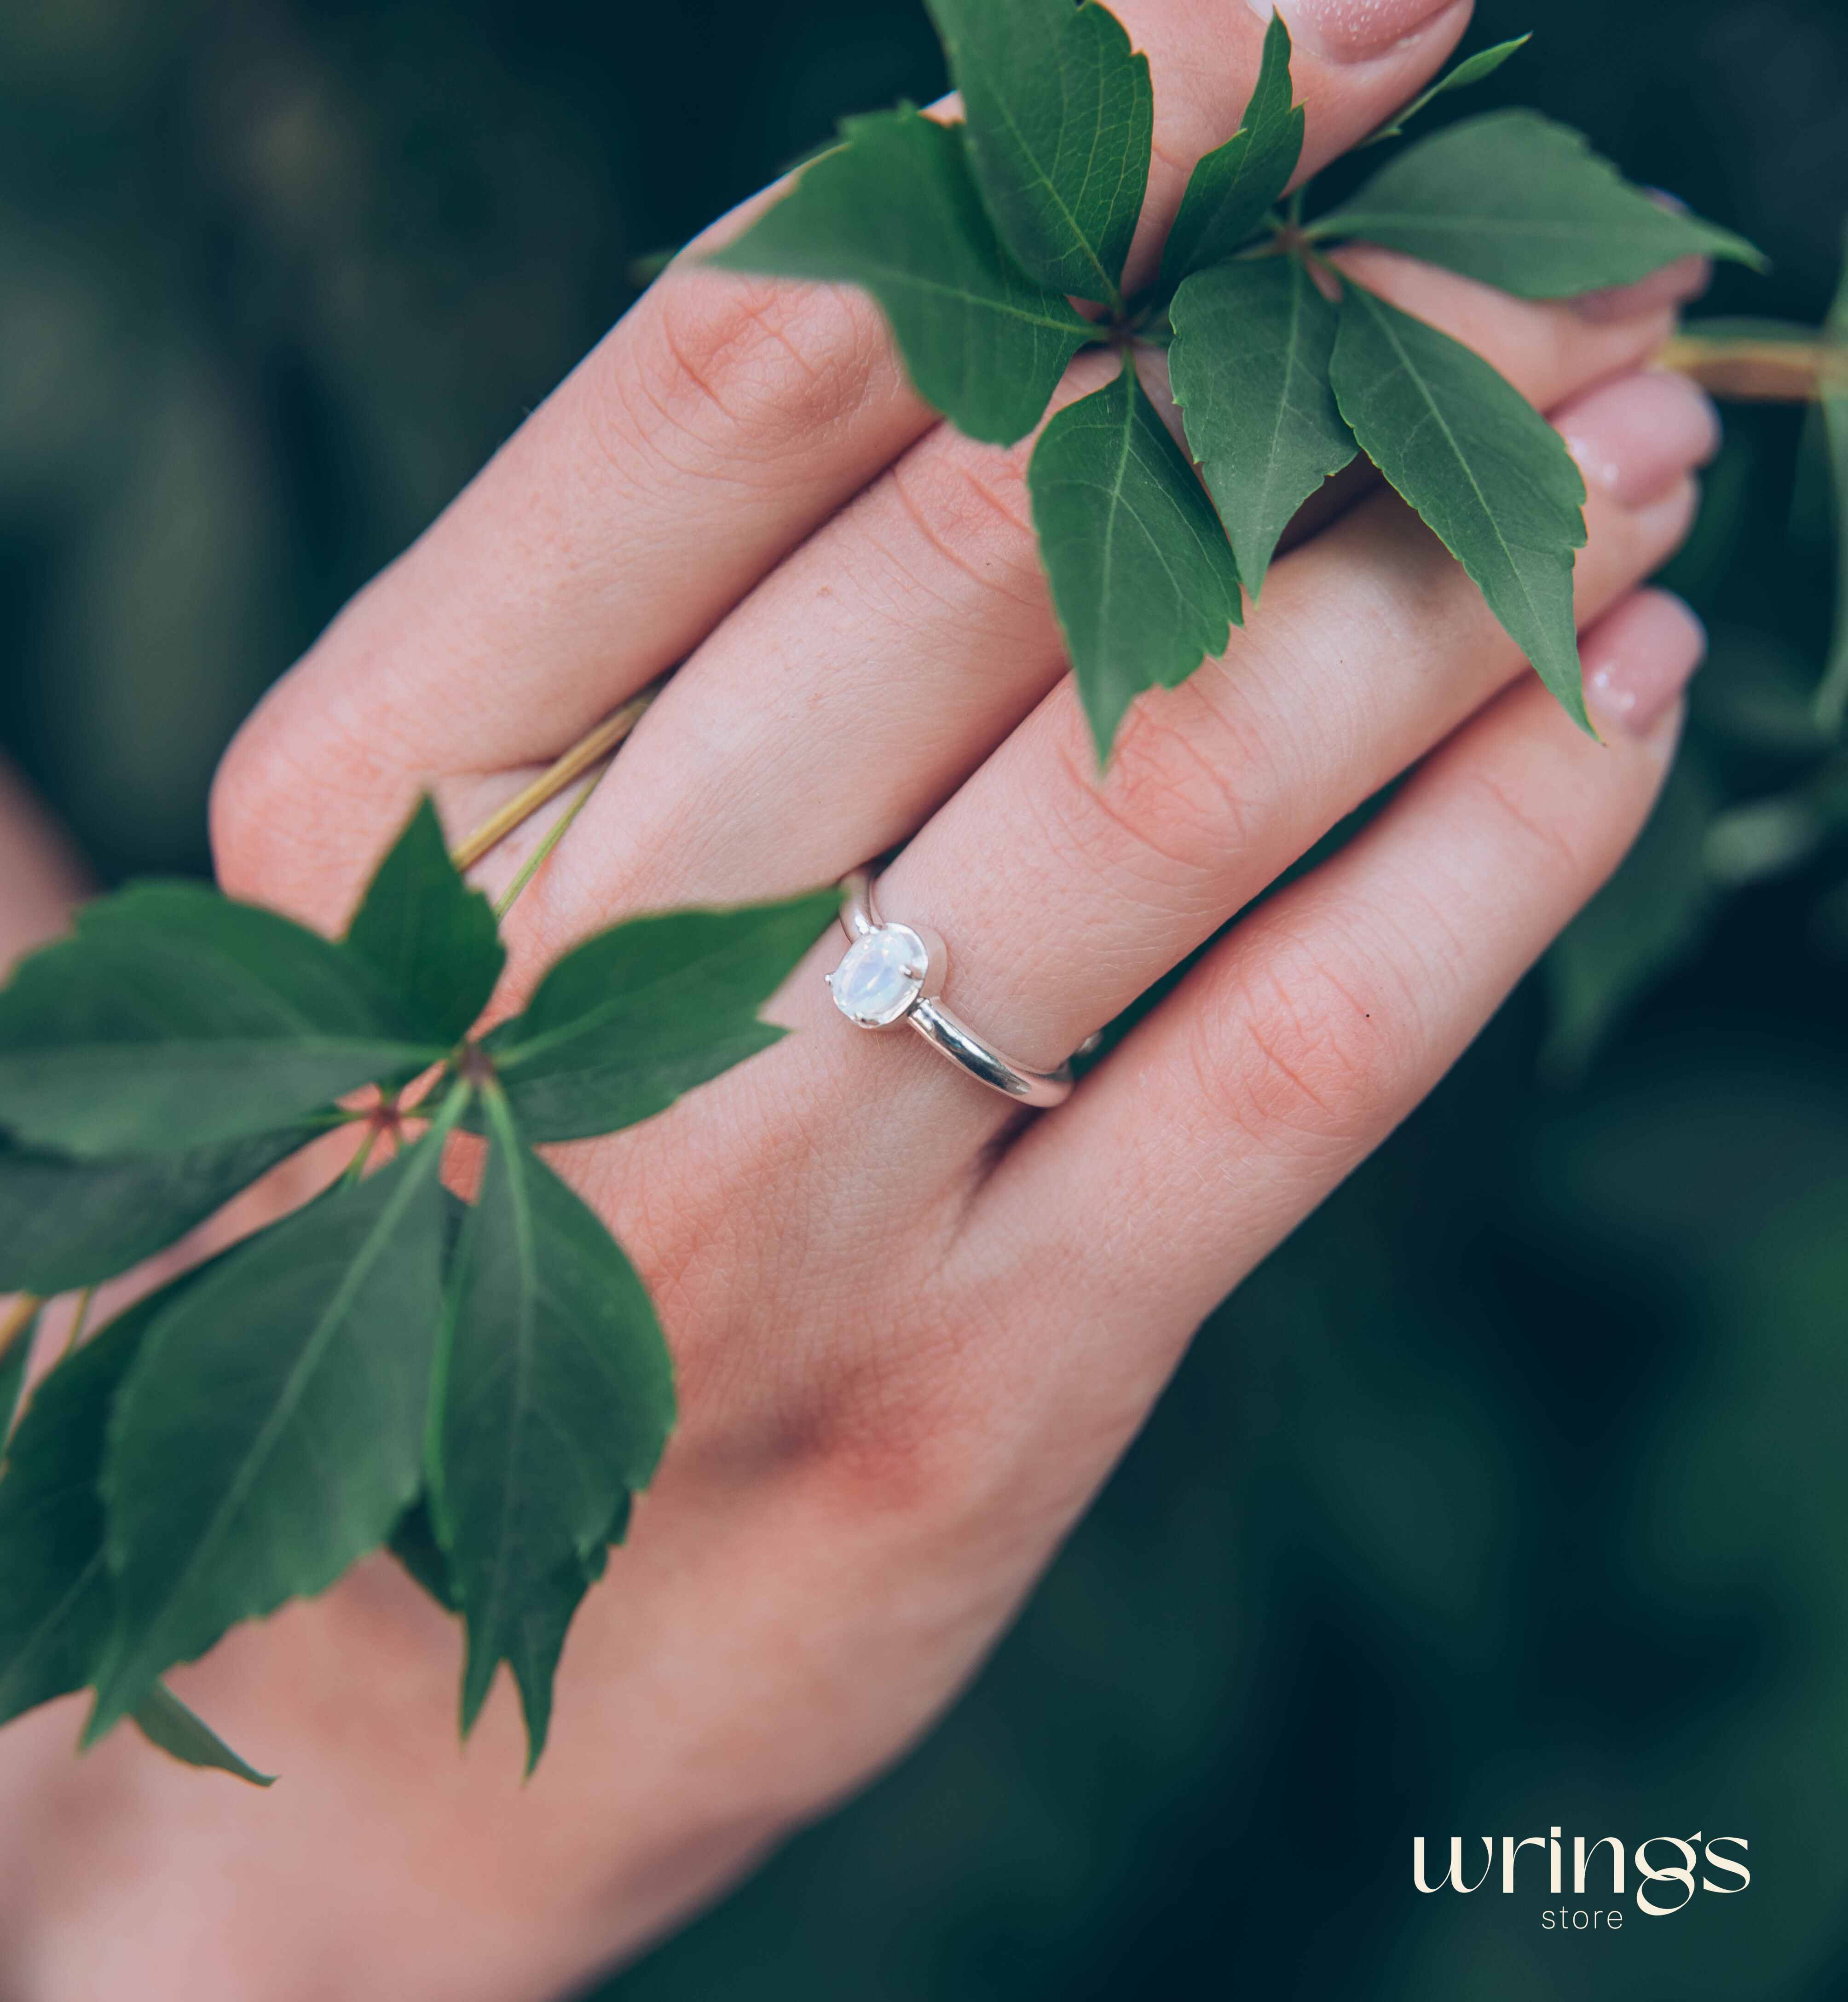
(1513, 1492)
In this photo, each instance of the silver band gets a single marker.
(893, 973)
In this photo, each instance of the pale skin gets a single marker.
(913, 1333)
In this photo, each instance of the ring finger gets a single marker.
(1063, 897)
(868, 676)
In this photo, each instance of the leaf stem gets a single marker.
(592, 748)
(554, 834)
(1745, 370)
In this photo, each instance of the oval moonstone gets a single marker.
(880, 976)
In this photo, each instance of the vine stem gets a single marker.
(554, 834)
(85, 1300)
(1740, 369)
(592, 748)
(1758, 371)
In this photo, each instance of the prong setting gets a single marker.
(896, 981)
(882, 977)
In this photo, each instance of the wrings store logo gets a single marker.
(1662, 1887)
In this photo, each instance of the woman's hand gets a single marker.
(912, 1333)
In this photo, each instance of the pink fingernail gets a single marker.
(1345, 31)
(1639, 659)
(1673, 285)
(1636, 436)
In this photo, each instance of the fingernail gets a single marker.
(1662, 291)
(1636, 436)
(1345, 31)
(1639, 659)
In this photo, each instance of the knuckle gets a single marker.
(257, 774)
(947, 511)
(299, 798)
(1566, 843)
(1182, 798)
(1291, 1051)
(737, 371)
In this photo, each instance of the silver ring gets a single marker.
(893, 973)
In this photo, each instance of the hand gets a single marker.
(913, 1333)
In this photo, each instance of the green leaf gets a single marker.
(1249, 364)
(1487, 471)
(175, 1019)
(430, 937)
(13, 1359)
(1517, 201)
(56, 1599)
(637, 1015)
(413, 1543)
(1061, 119)
(555, 1397)
(1472, 69)
(66, 1223)
(535, 1638)
(1143, 578)
(895, 210)
(164, 1721)
(1231, 189)
(270, 1432)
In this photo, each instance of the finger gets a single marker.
(1063, 895)
(703, 439)
(863, 681)
(1299, 1042)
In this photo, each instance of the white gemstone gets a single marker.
(882, 974)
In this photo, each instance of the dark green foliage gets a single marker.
(1250, 365)
(970, 272)
(626, 1023)
(242, 1437)
(431, 939)
(1061, 116)
(1142, 576)
(1232, 188)
(1517, 201)
(66, 1222)
(531, 1636)
(174, 1019)
(1541, 1357)
(413, 1543)
(242, 1473)
(56, 1600)
(895, 210)
(389, 1365)
(1485, 471)
(1472, 69)
(554, 1400)
(163, 1720)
